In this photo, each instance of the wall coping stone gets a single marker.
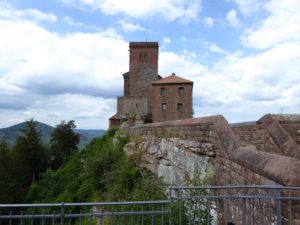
(280, 136)
(282, 169)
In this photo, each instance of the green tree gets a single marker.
(29, 160)
(63, 143)
(30, 150)
(5, 172)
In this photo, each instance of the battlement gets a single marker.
(143, 45)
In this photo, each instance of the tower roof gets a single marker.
(173, 79)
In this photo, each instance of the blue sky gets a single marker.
(64, 59)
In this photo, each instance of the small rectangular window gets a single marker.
(181, 90)
(164, 106)
(143, 57)
(179, 106)
(162, 91)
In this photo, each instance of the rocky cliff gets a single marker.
(175, 160)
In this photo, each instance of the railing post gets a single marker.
(278, 207)
(243, 207)
(170, 206)
(62, 213)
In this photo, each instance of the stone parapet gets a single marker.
(275, 166)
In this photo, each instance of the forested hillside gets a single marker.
(32, 172)
(85, 135)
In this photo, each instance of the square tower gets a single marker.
(143, 68)
(135, 106)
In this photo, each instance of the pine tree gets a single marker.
(63, 143)
(30, 151)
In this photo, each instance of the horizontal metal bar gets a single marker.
(213, 197)
(271, 187)
(78, 215)
(85, 204)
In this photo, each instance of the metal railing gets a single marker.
(210, 205)
(238, 205)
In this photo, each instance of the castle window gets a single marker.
(162, 91)
(179, 106)
(164, 106)
(181, 90)
(143, 57)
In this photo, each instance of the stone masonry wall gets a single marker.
(143, 68)
(269, 165)
(133, 105)
(292, 125)
(172, 97)
(260, 153)
(252, 133)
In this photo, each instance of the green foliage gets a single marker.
(5, 171)
(63, 143)
(100, 172)
(22, 164)
(30, 151)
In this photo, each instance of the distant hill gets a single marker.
(86, 135)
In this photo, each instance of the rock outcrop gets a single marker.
(175, 160)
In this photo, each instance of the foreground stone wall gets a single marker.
(249, 153)
(255, 153)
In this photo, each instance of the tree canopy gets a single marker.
(63, 143)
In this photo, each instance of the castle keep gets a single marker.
(147, 96)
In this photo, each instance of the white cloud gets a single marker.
(76, 76)
(87, 111)
(167, 40)
(208, 21)
(281, 25)
(249, 7)
(72, 22)
(27, 113)
(71, 63)
(241, 87)
(130, 27)
(183, 10)
(215, 48)
(9, 13)
(232, 18)
(184, 64)
(38, 68)
(55, 114)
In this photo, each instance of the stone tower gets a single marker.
(143, 68)
(135, 106)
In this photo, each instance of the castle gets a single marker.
(147, 96)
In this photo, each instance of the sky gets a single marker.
(64, 59)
